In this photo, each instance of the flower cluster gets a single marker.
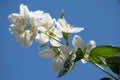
(41, 27)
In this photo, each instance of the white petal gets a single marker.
(65, 50)
(54, 42)
(19, 37)
(47, 19)
(24, 11)
(26, 40)
(13, 28)
(26, 44)
(57, 63)
(17, 20)
(42, 38)
(83, 61)
(47, 53)
(78, 42)
(91, 44)
(62, 21)
(33, 36)
(13, 17)
(59, 26)
(76, 30)
(38, 14)
(58, 33)
(42, 28)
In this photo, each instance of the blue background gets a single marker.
(100, 18)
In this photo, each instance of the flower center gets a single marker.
(20, 32)
(51, 32)
(21, 21)
(67, 26)
(45, 25)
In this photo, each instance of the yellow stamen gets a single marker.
(45, 25)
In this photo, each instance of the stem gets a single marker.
(51, 37)
(67, 42)
(101, 68)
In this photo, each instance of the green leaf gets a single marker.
(79, 55)
(114, 64)
(66, 37)
(62, 14)
(106, 78)
(104, 51)
(68, 65)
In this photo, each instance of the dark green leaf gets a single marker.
(68, 65)
(104, 51)
(106, 78)
(114, 64)
(62, 14)
(79, 55)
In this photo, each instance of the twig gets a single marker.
(101, 68)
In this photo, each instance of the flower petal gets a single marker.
(76, 30)
(26, 40)
(13, 18)
(47, 53)
(57, 63)
(42, 38)
(91, 44)
(24, 11)
(83, 61)
(33, 35)
(38, 14)
(78, 42)
(65, 50)
(58, 33)
(54, 42)
(59, 26)
(47, 19)
(62, 21)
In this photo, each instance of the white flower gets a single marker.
(65, 27)
(43, 21)
(51, 35)
(20, 20)
(42, 38)
(45, 26)
(59, 55)
(57, 58)
(35, 18)
(47, 22)
(25, 38)
(79, 43)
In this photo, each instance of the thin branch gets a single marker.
(101, 68)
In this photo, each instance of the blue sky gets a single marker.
(100, 18)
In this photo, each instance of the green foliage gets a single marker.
(105, 51)
(114, 64)
(79, 55)
(106, 78)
